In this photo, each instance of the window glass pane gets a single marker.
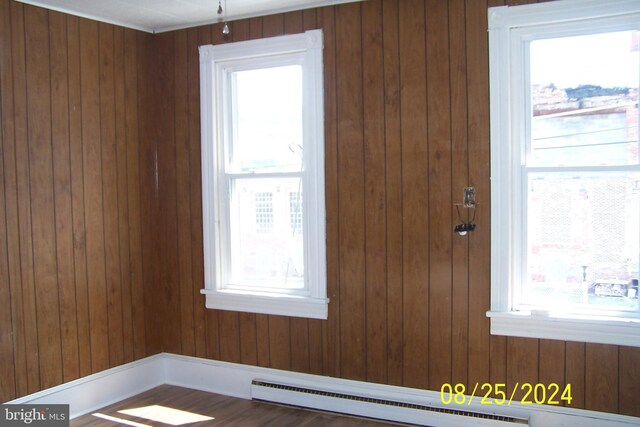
(583, 246)
(584, 95)
(267, 119)
(265, 251)
(295, 211)
(264, 212)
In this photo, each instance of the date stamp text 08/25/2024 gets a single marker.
(499, 394)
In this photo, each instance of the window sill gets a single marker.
(284, 305)
(615, 331)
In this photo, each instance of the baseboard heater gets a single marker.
(375, 407)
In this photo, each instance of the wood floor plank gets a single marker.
(224, 410)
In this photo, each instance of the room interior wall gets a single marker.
(70, 213)
(101, 251)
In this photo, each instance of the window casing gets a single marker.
(262, 157)
(564, 192)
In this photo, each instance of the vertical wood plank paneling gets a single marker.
(42, 195)
(77, 197)
(551, 362)
(110, 193)
(10, 191)
(62, 191)
(23, 193)
(63, 180)
(279, 342)
(522, 364)
(248, 339)
(478, 161)
(374, 192)
(195, 191)
(575, 375)
(183, 198)
(440, 180)
(629, 365)
(123, 194)
(149, 193)
(601, 378)
(460, 179)
(393, 183)
(415, 204)
(169, 257)
(351, 198)
(7, 359)
(94, 209)
(133, 192)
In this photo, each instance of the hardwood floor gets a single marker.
(223, 410)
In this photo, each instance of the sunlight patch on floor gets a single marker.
(119, 420)
(165, 415)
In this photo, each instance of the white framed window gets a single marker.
(263, 175)
(565, 171)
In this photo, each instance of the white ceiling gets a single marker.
(156, 16)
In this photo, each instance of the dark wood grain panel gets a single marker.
(459, 179)
(522, 364)
(24, 225)
(16, 359)
(575, 354)
(601, 379)
(551, 363)
(62, 191)
(331, 329)
(629, 386)
(195, 191)
(168, 193)
(183, 198)
(478, 167)
(393, 183)
(119, 78)
(110, 193)
(440, 189)
(374, 193)
(94, 208)
(43, 223)
(248, 339)
(415, 203)
(279, 342)
(351, 197)
(7, 359)
(77, 197)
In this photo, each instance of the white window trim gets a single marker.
(508, 26)
(215, 62)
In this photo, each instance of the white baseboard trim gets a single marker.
(98, 390)
(104, 388)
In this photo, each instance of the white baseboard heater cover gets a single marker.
(376, 408)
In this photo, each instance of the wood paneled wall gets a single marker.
(406, 128)
(70, 236)
(100, 212)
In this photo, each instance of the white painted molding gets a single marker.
(98, 390)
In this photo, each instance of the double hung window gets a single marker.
(565, 171)
(263, 175)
